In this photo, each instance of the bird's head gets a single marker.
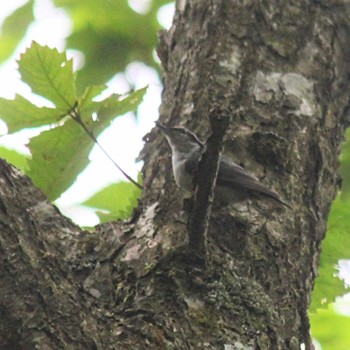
(181, 139)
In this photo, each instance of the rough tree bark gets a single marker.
(276, 71)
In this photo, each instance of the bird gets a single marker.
(231, 179)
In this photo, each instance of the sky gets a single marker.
(122, 141)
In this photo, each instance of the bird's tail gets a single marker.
(258, 187)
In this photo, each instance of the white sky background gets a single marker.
(122, 141)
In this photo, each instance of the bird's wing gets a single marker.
(232, 175)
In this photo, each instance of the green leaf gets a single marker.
(328, 286)
(111, 35)
(17, 159)
(331, 329)
(14, 28)
(117, 199)
(58, 156)
(85, 101)
(49, 74)
(20, 114)
(335, 247)
(109, 108)
(113, 105)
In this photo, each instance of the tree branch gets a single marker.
(205, 180)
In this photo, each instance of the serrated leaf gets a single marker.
(20, 114)
(13, 157)
(58, 156)
(14, 28)
(109, 109)
(118, 199)
(49, 74)
(113, 106)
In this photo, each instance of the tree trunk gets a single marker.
(277, 72)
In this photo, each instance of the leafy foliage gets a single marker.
(111, 34)
(335, 247)
(21, 114)
(49, 74)
(111, 201)
(15, 158)
(331, 329)
(60, 153)
(14, 28)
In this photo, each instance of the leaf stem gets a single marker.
(74, 113)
